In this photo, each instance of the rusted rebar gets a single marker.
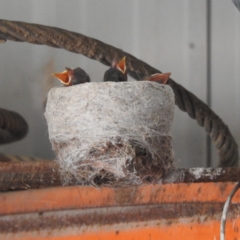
(28, 175)
(41, 174)
(74, 42)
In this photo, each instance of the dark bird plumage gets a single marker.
(71, 77)
(117, 72)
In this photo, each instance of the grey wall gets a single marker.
(170, 35)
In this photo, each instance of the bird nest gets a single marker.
(111, 134)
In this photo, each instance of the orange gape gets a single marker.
(161, 78)
(117, 72)
(71, 77)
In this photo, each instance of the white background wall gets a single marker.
(170, 35)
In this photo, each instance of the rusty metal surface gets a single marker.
(194, 175)
(81, 197)
(171, 213)
(26, 175)
(191, 210)
(40, 174)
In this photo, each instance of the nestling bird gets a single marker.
(117, 72)
(71, 77)
(161, 78)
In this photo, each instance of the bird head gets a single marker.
(161, 78)
(121, 65)
(117, 72)
(71, 77)
(65, 76)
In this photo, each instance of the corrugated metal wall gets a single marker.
(170, 35)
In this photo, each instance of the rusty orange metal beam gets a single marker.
(172, 211)
(75, 197)
(68, 224)
(155, 230)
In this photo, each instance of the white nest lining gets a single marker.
(95, 128)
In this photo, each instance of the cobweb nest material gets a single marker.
(111, 134)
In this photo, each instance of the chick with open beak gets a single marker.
(117, 72)
(161, 78)
(71, 77)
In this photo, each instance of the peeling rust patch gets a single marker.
(125, 195)
(223, 187)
